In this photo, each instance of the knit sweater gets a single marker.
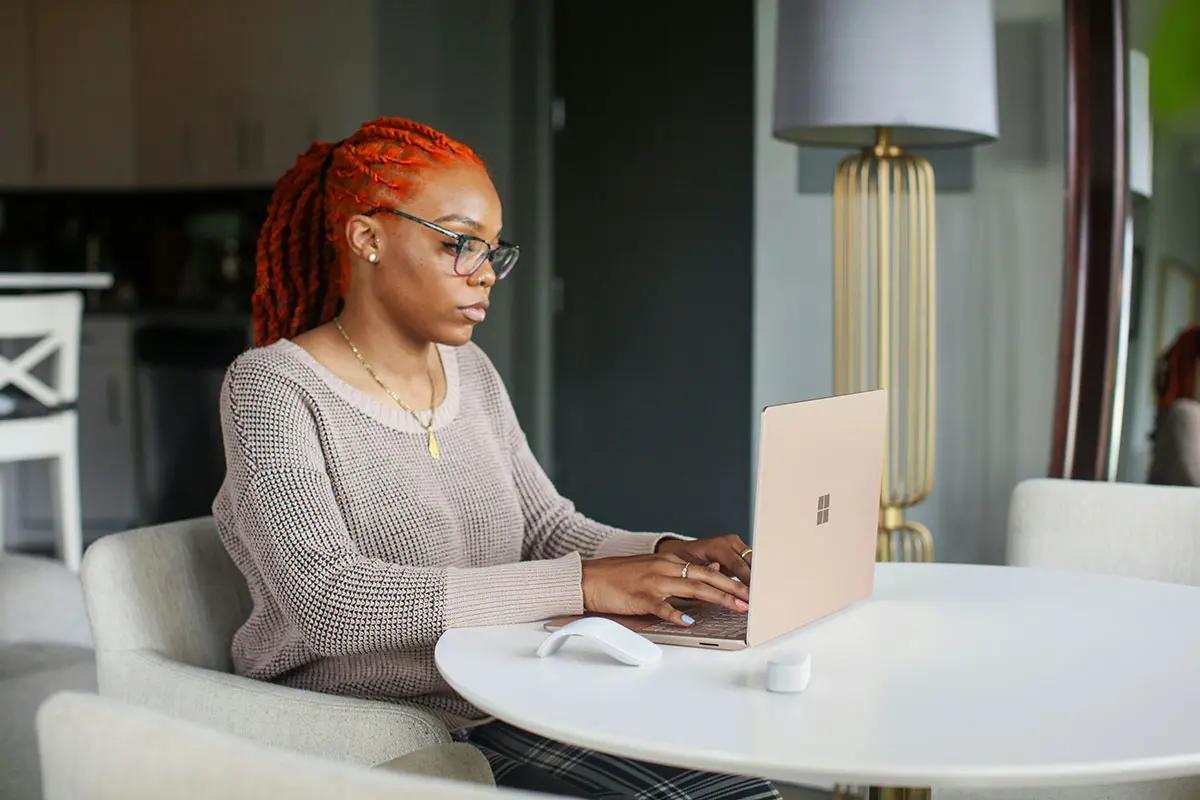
(360, 549)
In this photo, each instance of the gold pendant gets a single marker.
(434, 450)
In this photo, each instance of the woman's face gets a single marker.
(413, 282)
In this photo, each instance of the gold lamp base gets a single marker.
(885, 319)
(901, 539)
(880, 793)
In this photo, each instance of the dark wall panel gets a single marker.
(653, 237)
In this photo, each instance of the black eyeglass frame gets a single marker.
(461, 240)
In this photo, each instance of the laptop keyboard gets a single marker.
(714, 623)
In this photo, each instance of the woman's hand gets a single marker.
(725, 550)
(642, 584)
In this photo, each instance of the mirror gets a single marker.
(1160, 420)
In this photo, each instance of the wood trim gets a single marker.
(1094, 268)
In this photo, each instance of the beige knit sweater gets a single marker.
(359, 549)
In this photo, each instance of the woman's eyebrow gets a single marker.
(470, 223)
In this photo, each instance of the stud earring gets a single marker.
(373, 257)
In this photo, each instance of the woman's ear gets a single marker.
(362, 235)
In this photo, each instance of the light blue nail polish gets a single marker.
(688, 620)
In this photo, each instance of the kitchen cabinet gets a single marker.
(16, 96)
(81, 109)
(178, 94)
(182, 83)
(231, 98)
(66, 94)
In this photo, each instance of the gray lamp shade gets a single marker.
(924, 68)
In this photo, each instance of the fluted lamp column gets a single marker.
(884, 77)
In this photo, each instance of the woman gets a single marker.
(379, 489)
(1176, 436)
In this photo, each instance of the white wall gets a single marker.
(793, 288)
(1000, 274)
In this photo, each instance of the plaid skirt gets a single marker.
(523, 760)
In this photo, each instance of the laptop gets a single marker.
(816, 517)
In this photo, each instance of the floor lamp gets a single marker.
(884, 77)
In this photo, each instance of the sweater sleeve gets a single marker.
(553, 528)
(341, 601)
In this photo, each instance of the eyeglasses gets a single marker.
(470, 252)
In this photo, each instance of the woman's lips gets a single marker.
(475, 313)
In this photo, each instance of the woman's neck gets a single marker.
(389, 350)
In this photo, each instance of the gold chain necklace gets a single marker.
(434, 450)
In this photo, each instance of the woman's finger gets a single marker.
(672, 565)
(670, 613)
(739, 544)
(732, 560)
(721, 582)
(698, 590)
(726, 550)
(698, 571)
(719, 551)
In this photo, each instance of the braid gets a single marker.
(302, 267)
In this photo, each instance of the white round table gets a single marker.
(948, 676)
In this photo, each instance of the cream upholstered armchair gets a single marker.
(45, 647)
(1115, 528)
(97, 748)
(164, 603)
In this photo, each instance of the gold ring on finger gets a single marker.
(686, 564)
(742, 555)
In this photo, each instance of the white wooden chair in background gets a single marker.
(51, 431)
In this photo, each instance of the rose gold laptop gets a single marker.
(820, 465)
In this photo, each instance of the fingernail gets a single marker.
(714, 566)
(741, 605)
(688, 620)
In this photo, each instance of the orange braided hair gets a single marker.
(302, 263)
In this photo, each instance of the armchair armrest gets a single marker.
(457, 761)
(341, 728)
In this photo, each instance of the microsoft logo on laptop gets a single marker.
(823, 509)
